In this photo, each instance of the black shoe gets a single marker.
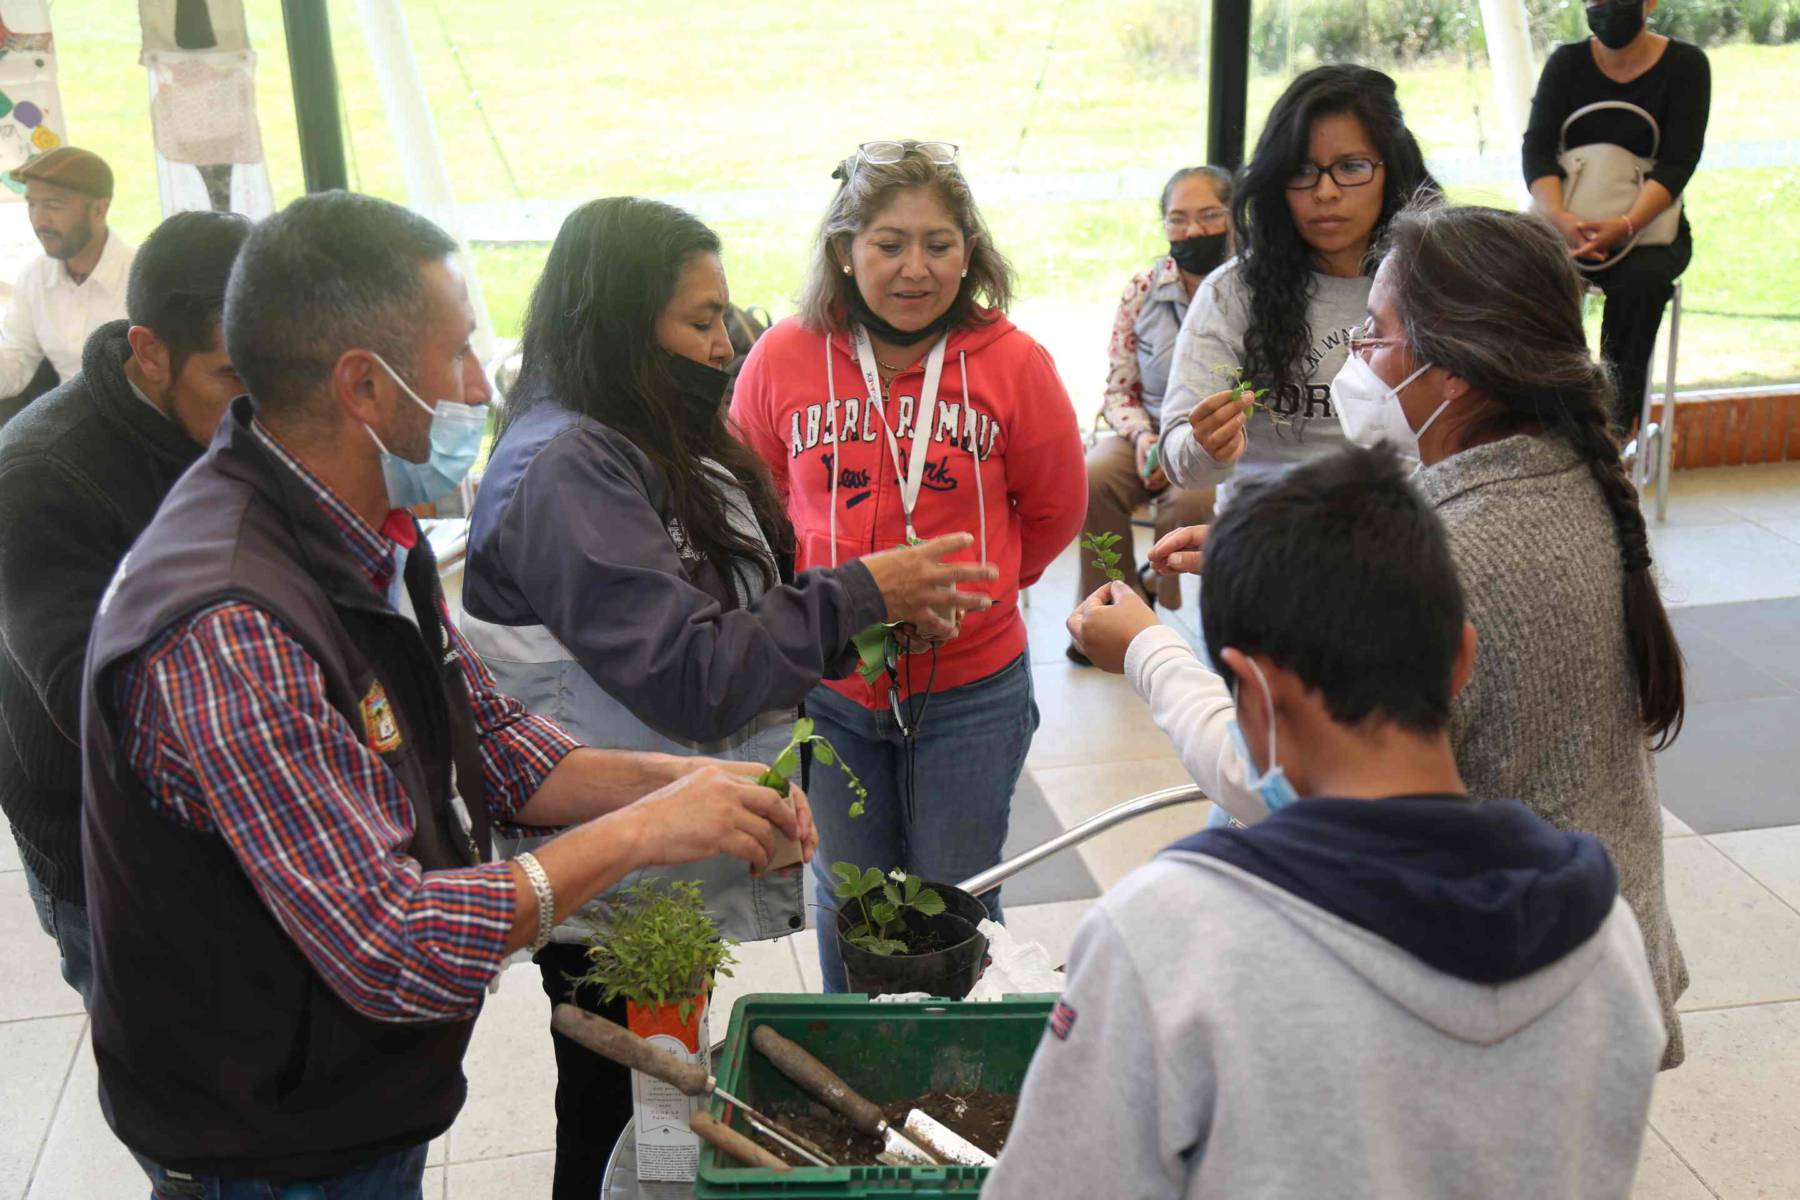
(1077, 657)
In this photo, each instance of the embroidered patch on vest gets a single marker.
(1062, 1021)
(380, 728)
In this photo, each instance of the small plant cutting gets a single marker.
(1241, 390)
(659, 948)
(1106, 559)
(787, 764)
(882, 902)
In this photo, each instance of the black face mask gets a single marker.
(1199, 254)
(878, 328)
(699, 390)
(1616, 25)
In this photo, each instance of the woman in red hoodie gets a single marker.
(900, 402)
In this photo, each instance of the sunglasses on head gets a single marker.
(884, 153)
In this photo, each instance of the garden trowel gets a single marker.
(925, 1141)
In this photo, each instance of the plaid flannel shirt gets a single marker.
(227, 726)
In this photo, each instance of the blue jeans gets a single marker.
(969, 752)
(67, 925)
(399, 1176)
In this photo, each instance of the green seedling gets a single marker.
(1242, 390)
(659, 946)
(872, 650)
(1105, 559)
(787, 764)
(882, 901)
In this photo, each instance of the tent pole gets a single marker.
(315, 94)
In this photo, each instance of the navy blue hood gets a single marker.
(1485, 892)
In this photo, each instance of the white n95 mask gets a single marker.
(1370, 410)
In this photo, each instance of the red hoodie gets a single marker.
(999, 398)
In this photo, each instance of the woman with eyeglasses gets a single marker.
(1123, 470)
(1333, 165)
(1586, 95)
(1475, 361)
(901, 402)
(630, 575)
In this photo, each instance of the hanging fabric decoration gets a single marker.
(209, 151)
(31, 110)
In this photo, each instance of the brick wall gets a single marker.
(1729, 429)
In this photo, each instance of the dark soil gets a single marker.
(983, 1117)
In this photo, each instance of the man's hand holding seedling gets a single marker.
(921, 590)
(1106, 622)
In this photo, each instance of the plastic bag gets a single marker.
(1014, 967)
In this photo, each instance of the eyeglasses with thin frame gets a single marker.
(944, 154)
(1347, 172)
(1210, 220)
(1363, 339)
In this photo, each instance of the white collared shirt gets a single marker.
(51, 316)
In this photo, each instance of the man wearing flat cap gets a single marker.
(79, 284)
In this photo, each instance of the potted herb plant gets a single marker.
(899, 934)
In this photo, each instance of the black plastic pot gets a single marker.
(950, 972)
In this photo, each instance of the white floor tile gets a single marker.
(82, 1159)
(34, 983)
(1663, 1176)
(1674, 826)
(438, 1153)
(1789, 529)
(1771, 855)
(1732, 1111)
(1765, 492)
(1050, 925)
(1728, 924)
(434, 1183)
(512, 1075)
(9, 855)
(761, 967)
(1719, 564)
(37, 1055)
(1088, 716)
(519, 1176)
(1078, 792)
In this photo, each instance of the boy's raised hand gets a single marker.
(1180, 552)
(1104, 624)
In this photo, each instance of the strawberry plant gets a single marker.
(787, 764)
(1106, 559)
(882, 901)
(659, 946)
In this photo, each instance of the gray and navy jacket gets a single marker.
(586, 600)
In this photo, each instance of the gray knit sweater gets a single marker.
(1551, 714)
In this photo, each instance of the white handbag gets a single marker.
(1602, 181)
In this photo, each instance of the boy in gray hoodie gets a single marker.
(1382, 990)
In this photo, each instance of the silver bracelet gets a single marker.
(546, 899)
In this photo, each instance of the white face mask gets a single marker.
(1370, 410)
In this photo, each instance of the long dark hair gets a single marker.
(1493, 297)
(590, 346)
(1277, 264)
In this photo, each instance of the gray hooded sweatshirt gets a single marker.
(1234, 1027)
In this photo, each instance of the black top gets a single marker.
(1676, 90)
(81, 473)
(221, 1050)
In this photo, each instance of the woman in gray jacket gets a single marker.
(1475, 353)
(630, 572)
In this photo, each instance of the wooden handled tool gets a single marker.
(823, 1084)
(614, 1041)
(727, 1140)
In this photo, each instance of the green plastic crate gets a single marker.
(883, 1051)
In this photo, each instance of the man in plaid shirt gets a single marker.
(293, 760)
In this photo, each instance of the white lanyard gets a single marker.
(913, 476)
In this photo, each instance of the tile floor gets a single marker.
(1726, 1125)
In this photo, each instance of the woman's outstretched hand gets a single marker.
(921, 591)
(1181, 552)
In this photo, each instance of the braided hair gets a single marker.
(1493, 298)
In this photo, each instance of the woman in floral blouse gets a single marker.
(1121, 473)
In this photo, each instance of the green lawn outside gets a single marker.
(609, 98)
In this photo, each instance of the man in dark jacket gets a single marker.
(81, 473)
(293, 760)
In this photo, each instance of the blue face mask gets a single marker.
(1272, 785)
(456, 433)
